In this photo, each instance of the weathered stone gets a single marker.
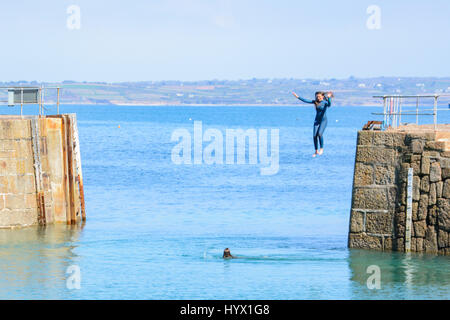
(413, 244)
(369, 154)
(416, 188)
(399, 244)
(420, 228)
(415, 166)
(443, 214)
(379, 222)
(425, 184)
(384, 175)
(417, 145)
(419, 244)
(443, 239)
(435, 145)
(363, 174)
(357, 221)
(383, 138)
(423, 207)
(392, 198)
(399, 224)
(445, 173)
(387, 244)
(365, 137)
(439, 187)
(415, 210)
(435, 172)
(364, 241)
(432, 195)
(430, 242)
(14, 201)
(432, 216)
(425, 165)
(446, 189)
(370, 198)
(25, 184)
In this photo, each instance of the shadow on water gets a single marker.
(34, 260)
(405, 274)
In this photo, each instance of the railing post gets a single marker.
(417, 110)
(435, 112)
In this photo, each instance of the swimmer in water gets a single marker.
(227, 254)
(321, 102)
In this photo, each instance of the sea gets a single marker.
(156, 229)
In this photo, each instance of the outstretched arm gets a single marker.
(300, 98)
(328, 96)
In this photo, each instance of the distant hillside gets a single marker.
(349, 92)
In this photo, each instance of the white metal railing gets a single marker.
(394, 107)
(35, 96)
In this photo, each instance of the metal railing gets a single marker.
(29, 95)
(396, 106)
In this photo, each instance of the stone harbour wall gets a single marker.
(378, 211)
(40, 171)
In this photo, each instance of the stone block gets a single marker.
(379, 222)
(443, 215)
(23, 149)
(435, 172)
(430, 244)
(365, 137)
(15, 201)
(387, 244)
(425, 184)
(446, 189)
(384, 174)
(419, 244)
(370, 198)
(417, 146)
(420, 228)
(8, 184)
(425, 165)
(30, 201)
(363, 174)
(25, 183)
(365, 241)
(439, 187)
(435, 145)
(370, 154)
(432, 216)
(445, 173)
(416, 188)
(383, 138)
(356, 221)
(443, 239)
(423, 207)
(415, 210)
(398, 244)
(432, 195)
(399, 224)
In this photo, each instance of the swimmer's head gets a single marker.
(227, 253)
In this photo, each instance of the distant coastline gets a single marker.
(252, 92)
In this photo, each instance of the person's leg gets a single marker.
(316, 138)
(320, 132)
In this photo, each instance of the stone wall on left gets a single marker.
(40, 171)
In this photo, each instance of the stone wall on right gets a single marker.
(378, 214)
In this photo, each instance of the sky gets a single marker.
(152, 40)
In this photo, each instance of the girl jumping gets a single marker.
(322, 102)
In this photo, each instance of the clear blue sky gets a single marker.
(139, 40)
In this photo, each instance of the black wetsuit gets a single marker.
(320, 122)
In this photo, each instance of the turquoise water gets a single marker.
(156, 230)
